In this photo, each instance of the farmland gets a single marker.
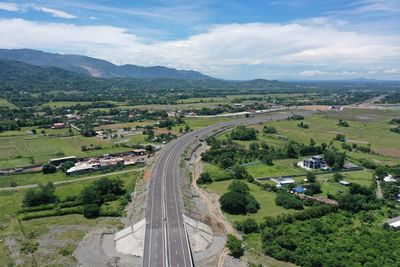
(35, 149)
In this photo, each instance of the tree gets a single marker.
(149, 149)
(235, 246)
(240, 172)
(43, 195)
(67, 165)
(337, 177)
(91, 210)
(239, 187)
(380, 172)
(292, 150)
(313, 188)
(205, 178)
(311, 177)
(233, 202)
(243, 133)
(49, 168)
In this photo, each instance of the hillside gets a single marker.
(96, 67)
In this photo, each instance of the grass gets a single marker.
(39, 177)
(216, 172)
(266, 200)
(280, 168)
(5, 104)
(61, 104)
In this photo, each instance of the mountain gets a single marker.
(97, 67)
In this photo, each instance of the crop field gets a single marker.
(61, 104)
(22, 150)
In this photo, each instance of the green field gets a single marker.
(280, 168)
(5, 104)
(266, 199)
(62, 230)
(61, 104)
(366, 127)
(39, 177)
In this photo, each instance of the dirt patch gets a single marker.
(392, 152)
(147, 176)
(358, 141)
(335, 132)
(315, 107)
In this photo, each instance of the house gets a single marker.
(81, 168)
(299, 189)
(139, 152)
(315, 162)
(337, 108)
(58, 125)
(389, 179)
(283, 181)
(345, 183)
(58, 161)
(394, 223)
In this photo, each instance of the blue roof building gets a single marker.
(299, 189)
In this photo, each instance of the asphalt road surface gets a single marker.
(166, 242)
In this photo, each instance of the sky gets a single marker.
(275, 39)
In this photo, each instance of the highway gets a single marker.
(166, 242)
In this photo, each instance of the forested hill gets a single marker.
(96, 67)
(22, 77)
(18, 76)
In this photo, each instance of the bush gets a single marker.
(91, 210)
(238, 203)
(343, 123)
(288, 201)
(204, 178)
(235, 246)
(249, 226)
(296, 117)
(269, 129)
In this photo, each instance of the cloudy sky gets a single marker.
(276, 39)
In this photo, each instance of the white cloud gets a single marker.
(11, 7)
(231, 51)
(55, 13)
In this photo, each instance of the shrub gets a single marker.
(249, 226)
(235, 246)
(91, 210)
(269, 129)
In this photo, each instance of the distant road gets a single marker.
(166, 242)
(69, 181)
